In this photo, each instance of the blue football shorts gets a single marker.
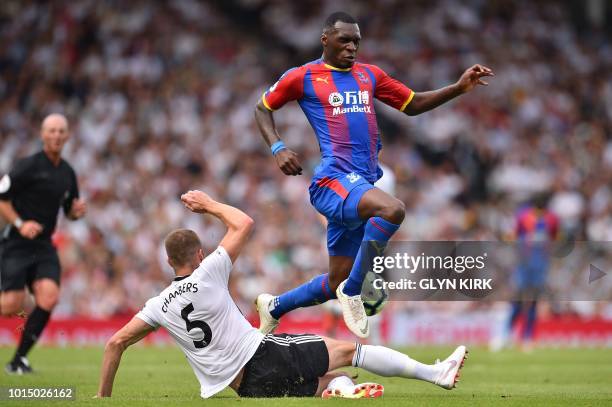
(337, 198)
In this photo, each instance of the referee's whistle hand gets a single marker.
(30, 229)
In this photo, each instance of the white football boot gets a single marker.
(357, 391)
(449, 368)
(354, 314)
(267, 323)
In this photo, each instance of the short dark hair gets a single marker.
(182, 245)
(540, 200)
(333, 18)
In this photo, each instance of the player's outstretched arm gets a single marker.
(286, 159)
(424, 101)
(131, 333)
(239, 224)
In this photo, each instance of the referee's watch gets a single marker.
(18, 223)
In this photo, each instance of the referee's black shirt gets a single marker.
(37, 189)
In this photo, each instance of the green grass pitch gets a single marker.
(160, 376)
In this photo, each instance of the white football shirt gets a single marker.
(201, 316)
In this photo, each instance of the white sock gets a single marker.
(389, 363)
(342, 383)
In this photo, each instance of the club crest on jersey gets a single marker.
(335, 99)
(352, 177)
(362, 78)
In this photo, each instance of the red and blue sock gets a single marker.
(316, 291)
(530, 322)
(379, 231)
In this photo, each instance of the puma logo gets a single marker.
(318, 79)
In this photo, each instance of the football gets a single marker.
(374, 299)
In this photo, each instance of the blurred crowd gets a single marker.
(160, 98)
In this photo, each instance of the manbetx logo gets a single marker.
(357, 101)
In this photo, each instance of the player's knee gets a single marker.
(46, 294)
(47, 302)
(347, 351)
(115, 343)
(10, 309)
(394, 211)
(340, 353)
(7, 311)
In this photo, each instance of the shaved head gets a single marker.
(54, 134)
(55, 119)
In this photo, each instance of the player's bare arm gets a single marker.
(286, 159)
(425, 101)
(239, 224)
(27, 228)
(131, 333)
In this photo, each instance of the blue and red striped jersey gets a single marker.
(339, 106)
(536, 226)
(536, 230)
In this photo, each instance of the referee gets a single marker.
(30, 198)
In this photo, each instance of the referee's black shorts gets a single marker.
(22, 263)
(285, 365)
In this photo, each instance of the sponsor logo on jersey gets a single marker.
(323, 79)
(352, 177)
(352, 101)
(353, 109)
(335, 99)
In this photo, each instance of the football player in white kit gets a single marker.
(223, 348)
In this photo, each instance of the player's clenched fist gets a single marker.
(30, 229)
(78, 209)
(197, 201)
(288, 162)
